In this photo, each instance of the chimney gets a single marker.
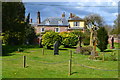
(63, 15)
(38, 17)
(30, 20)
(71, 15)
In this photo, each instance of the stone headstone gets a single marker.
(80, 41)
(56, 48)
(112, 43)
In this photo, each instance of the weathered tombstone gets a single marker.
(56, 48)
(80, 40)
(112, 43)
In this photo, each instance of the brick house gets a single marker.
(59, 24)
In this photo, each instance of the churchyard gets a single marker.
(48, 65)
(65, 47)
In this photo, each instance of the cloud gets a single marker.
(108, 10)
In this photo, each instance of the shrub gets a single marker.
(102, 39)
(86, 39)
(13, 38)
(68, 39)
(49, 38)
(84, 50)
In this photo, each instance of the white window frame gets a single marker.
(76, 23)
(58, 29)
(42, 29)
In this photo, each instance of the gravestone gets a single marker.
(112, 43)
(80, 40)
(56, 48)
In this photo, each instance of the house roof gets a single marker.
(75, 18)
(53, 21)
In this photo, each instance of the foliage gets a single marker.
(86, 38)
(116, 29)
(13, 15)
(49, 38)
(68, 39)
(30, 34)
(102, 36)
(84, 50)
(108, 28)
(13, 38)
(94, 19)
(78, 33)
(28, 18)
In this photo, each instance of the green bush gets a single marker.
(49, 38)
(68, 39)
(13, 38)
(86, 39)
(84, 50)
(102, 36)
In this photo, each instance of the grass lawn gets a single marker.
(56, 66)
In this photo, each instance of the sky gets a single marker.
(108, 10)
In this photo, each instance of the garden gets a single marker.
(39, 61)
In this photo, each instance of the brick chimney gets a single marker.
(71, 15)
(38, 17)
(63, 15)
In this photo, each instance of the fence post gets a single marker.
(70, 63)
(43, 51)
(103, 56)
(24, 61)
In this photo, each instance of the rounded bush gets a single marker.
(49, 38)
(68, 39)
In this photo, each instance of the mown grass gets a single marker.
(40, 66)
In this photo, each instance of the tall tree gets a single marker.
(13, 15)
(95, 19)
(28, 18)
(102, 36)
(116, 26)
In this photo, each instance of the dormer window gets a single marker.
(47, 22)
(60, 22)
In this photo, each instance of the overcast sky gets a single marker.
(108, 10)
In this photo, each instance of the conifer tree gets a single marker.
(102, 36)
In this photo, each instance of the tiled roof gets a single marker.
(75, 18)
(53, 21)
